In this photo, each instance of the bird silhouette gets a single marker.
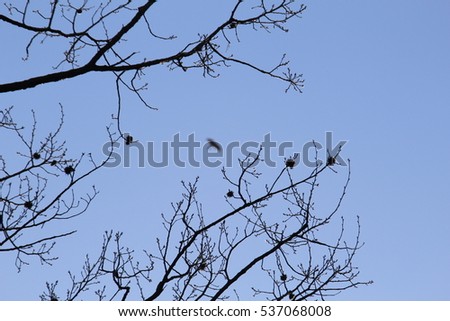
(213, 143)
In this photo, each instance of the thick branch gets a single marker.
(258, 259)
(166, 278)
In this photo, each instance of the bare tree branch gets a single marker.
(30, 199)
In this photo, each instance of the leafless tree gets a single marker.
(37, 189)
(95, 42)
(284, 252)
(198, 258)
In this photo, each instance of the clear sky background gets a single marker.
(377, 74)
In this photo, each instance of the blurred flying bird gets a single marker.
(214, 144)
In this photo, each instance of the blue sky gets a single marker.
(376, 74)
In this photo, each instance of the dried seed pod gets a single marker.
(69, 169)
(128, 140)
(290, 163)
(331, 161)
